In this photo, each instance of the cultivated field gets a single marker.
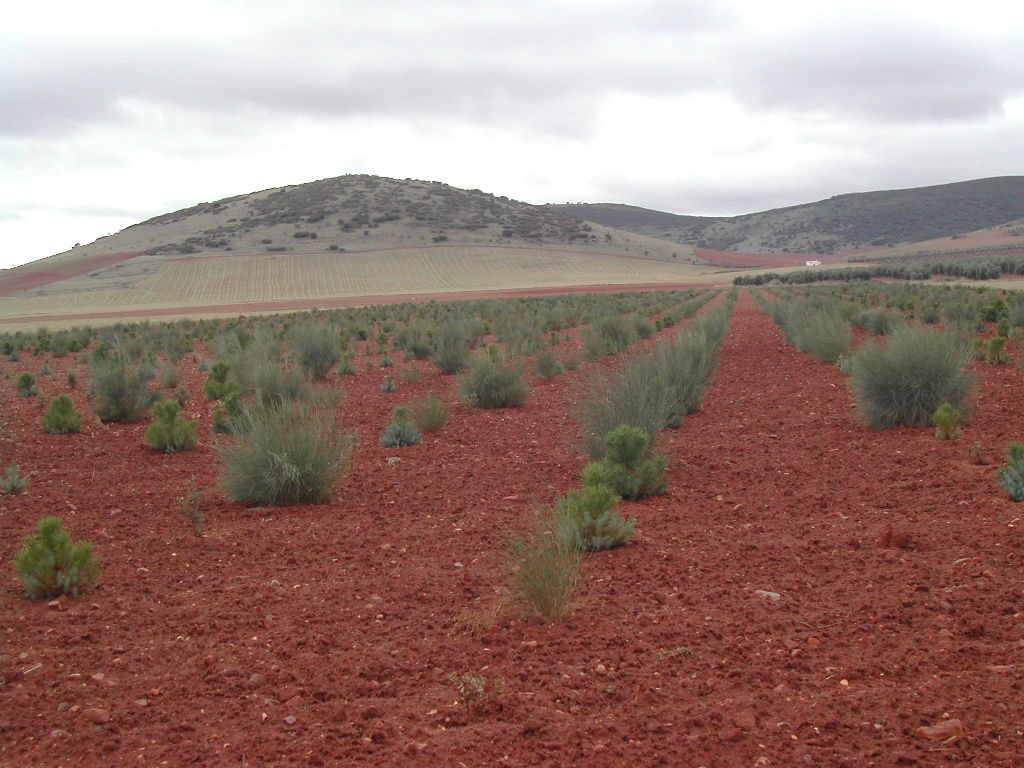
(807, 590)
(161, 286)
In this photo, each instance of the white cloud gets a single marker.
(693, 107)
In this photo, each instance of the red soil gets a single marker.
(27, 277)
(326, 635)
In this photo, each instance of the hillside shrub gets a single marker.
(62, 418)
(905, 380)
(228, 415)
(416, 340)
(1011, 477)
(170, 432)
(119, 389)
(400, 431)
(51, 565)
(628, 467)
(590, 520)
(492, 383)
(293, 452)
(430, 413)
(26, 385)
(275, 384)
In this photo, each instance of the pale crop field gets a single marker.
(209, 281)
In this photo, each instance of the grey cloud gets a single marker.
(878, 71)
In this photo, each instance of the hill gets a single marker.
(850, 221)
(333, 239)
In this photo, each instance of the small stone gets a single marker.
(59, 733)
(944, 731)
(746, 720)
(529, 644)
(293, 702)
(414, 746)
(96, 715)
(257, 679)
(291, 720)
(601, 669)
(459, 565)
(142, 702)
(98, 679)
(54, 605)
(286, 692)
(773, 596)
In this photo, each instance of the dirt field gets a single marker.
(765, 615)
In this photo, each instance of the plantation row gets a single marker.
(919, 375)
(269, 382)
(991, 268)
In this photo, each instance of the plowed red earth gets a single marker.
(327, 635)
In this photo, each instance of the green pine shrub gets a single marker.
(217, 387)
(50, 565)
(590, 520)
(12, 482)
(389, 385)
(628, 467)
(905, 380)
(430, 413)
(400, 431)
(1011, 477)
(492, 383)
(62, 418)
(947, 422)
(170, 431)
(293, 452)
(26, 385)
(995, 353)
(228, 415)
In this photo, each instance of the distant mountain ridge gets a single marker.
(855, 220)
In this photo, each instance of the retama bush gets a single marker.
(905, 380)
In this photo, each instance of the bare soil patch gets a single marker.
(808, 591)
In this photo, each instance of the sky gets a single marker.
(112, 112)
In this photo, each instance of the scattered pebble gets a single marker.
(944, 731)
(97, 715)
(773, 596)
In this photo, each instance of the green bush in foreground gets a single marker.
(907, 379)
(590, 519)
(291, 453)
(491, 383)
(1011, 477)
(170, 432)
(628, 467)
(62, 418)
(51, 566)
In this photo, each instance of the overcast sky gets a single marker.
(112, 112)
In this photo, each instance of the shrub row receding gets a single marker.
(658, 389)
